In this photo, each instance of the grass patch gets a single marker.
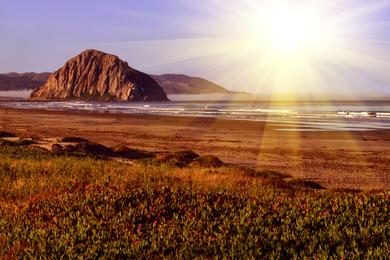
(57, 205)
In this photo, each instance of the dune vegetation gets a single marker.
(59, 204)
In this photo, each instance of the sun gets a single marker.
(284, 42)
(288, 33)
(286, 30)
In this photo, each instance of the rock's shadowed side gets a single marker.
(94, 75)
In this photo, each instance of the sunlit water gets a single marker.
(303, 116)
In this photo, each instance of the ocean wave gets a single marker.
(314, 116)
(383, 115)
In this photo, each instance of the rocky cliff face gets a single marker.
(94, 75)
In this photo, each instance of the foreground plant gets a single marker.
(66, 206)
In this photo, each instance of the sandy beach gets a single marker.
(354, 160)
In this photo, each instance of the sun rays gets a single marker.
(282, 49)
(300, 49)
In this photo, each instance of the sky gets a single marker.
(278, 47)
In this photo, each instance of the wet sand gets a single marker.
(342, 159)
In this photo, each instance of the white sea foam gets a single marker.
(308, 117)
(383, 115)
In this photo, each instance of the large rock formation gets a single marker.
(94, 75)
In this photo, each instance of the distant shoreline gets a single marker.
(293, 116)
(260, 101)
(210, 97)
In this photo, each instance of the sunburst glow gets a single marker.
(270, 47)
(289, 31)
(288, 39)
(280, 47)
(306, 47)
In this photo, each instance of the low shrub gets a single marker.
(207, 161)
(60, 206)
(6, 134)
(72, 139)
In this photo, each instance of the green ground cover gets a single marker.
(67, 205)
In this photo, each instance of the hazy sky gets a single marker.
(222, 40)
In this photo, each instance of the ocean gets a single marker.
(289, 116)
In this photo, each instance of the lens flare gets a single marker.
(279, 48)
(286, 30)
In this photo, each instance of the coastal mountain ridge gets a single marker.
(172, 84)
(95, 75)
(21, 81)
(175, 84)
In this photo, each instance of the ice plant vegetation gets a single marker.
(59, 205)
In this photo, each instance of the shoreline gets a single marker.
(271, 124)
(299, 118)
(254, 100)
(335, 159)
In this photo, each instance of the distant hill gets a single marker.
(21, 81)
(172, 84)
(175, 84)
(94, 75)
